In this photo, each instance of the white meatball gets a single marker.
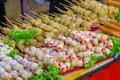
(16, 66)
(25, 60)
(14, 62)
(6, 59)
(2, 70)
(9, 62)
(19, 78)
(7, 67)
(14, 74)
(24, 74)
(33, 66)
(25, 64)
(2, 64)
(2, 56)
(5, 76)
(29, 74)
(18, 58)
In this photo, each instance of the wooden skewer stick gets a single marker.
(65, 6)
(68, 6)
(60, 10)
(56, 14)
(76, 2)
(1, 28)
(29, 16)
(9, 21)
(35, 17)
(35, 13)
(1, 34)
(6, 25)
(24, 17)
(16, 23)
(20, 21)
(42, 14)
(70, 3)
(81, 0)
(52, 14)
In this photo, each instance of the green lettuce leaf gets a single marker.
(51, 17)
(13, 53)
(93, 60)
(116, 47)
(118, 16)
(41, 66)
(51, 74)
(6, 41)
(21, 37)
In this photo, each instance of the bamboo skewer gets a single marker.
(42, 14)
(29, 16)
(52, 14)
(80, 0)
(9, 21)
(20, 21)
(76, 2)
(6, 25)
(35, 13)
(60, 10)
(24, 17)
(17, 23)
(70, 3)
(35, 17)
(1, 35)
(1, 28)
(65, 6)
(57, 14)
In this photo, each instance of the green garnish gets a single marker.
(13, 53)
(116, 48)
(6, 41)
(67, 35)
(21, 37)
(51, 17)
(41, 66)
(118, 16)
(72, 66)
(93, 60)
(51, 74)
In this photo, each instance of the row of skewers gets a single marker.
(75, 50)
(16, 68)
(58, 49)
(90, 11)
(82, 16)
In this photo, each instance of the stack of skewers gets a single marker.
(75, 50)
(59, 39)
